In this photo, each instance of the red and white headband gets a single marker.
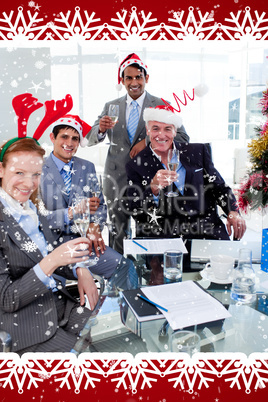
(25, 104)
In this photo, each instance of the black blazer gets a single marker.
(193, 214)
(27, 307)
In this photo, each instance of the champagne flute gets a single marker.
(81, 217)
(96, 192)
(173, 160)
(113, 113)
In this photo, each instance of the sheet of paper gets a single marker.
(187, 304)
(153, 246)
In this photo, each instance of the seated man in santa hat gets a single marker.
(180, 199)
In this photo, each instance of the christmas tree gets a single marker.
(253, 192)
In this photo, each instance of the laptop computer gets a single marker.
(201, 250)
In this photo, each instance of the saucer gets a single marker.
(208, 274)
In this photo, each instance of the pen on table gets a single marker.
(151, 302)
(138, 244)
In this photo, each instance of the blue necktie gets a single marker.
(67, 177)
(133, 120)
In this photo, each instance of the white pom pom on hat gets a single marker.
(132, 58)
(163, 114)
(83, 142)
(200, 90)
(79, 125)
(118, 87)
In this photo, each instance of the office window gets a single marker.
(233, 73)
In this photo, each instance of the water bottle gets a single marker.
(243, 285)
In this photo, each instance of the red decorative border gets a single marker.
(128, 378)
(30, 23)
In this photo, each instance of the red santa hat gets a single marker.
(132, 58)
(163, 114)
(79, 125)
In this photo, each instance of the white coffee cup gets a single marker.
(221, 265)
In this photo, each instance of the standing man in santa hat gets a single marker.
(129, 137)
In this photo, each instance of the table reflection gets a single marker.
(117, 329)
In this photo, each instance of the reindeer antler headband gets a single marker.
(25, 104)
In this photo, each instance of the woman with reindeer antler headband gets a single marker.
(35, 308)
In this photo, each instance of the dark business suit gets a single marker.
(115, 178)
(191, 215)
(56, 201)
(55, 198)
(29, 311)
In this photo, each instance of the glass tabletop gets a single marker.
(114, 327)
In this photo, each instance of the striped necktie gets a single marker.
(133, 120)
(67, 177)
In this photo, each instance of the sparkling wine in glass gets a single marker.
(113, 113)
(173, 160)
(81, 213)
(173, 166)
(114, 119)
(96, 192)
(81, 217)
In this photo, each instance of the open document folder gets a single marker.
(187, 304)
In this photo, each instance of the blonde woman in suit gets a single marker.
(35, 307)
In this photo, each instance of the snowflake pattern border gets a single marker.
(83, 25)
(136, 373)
